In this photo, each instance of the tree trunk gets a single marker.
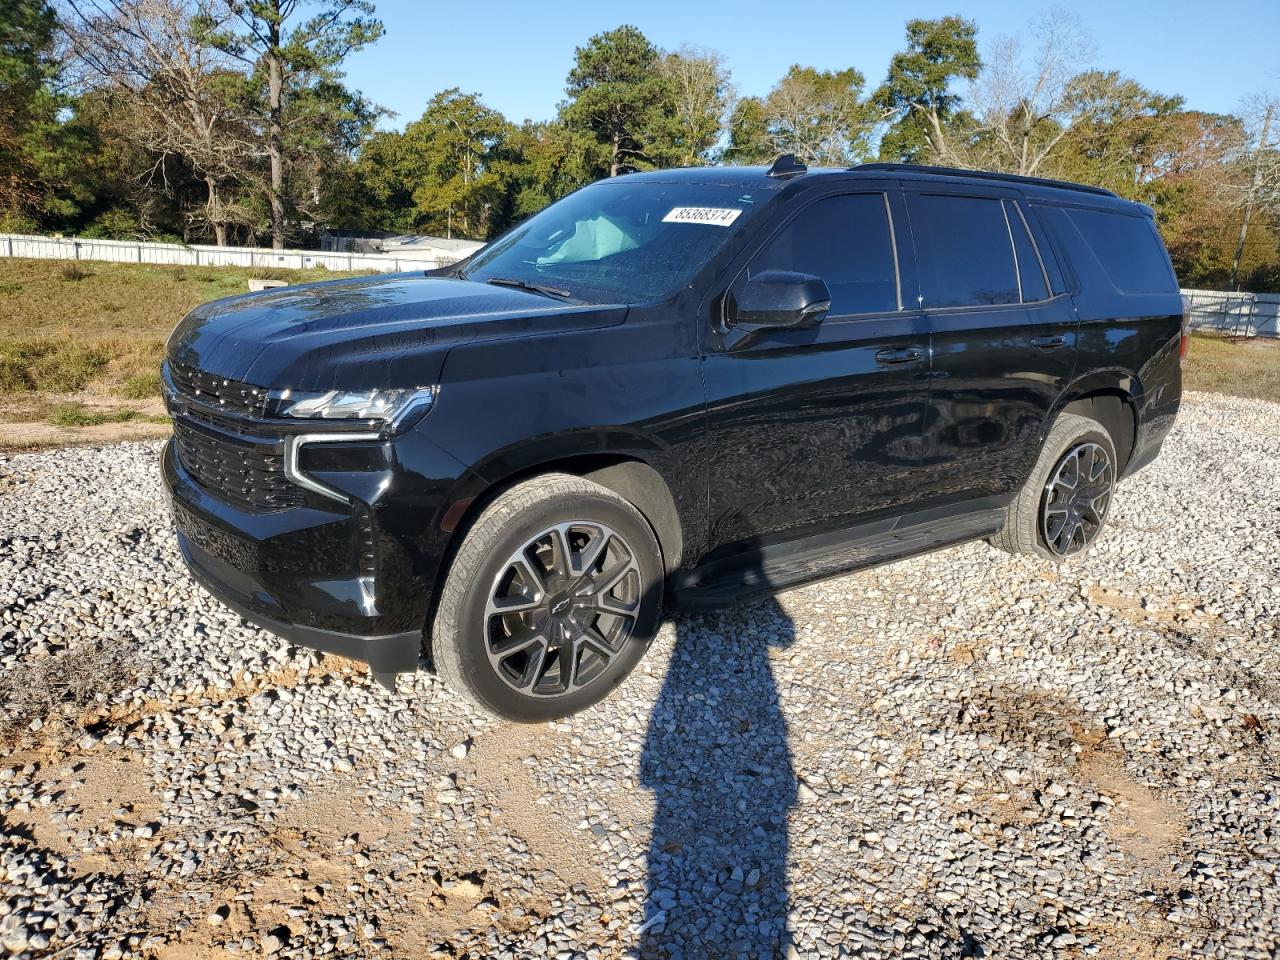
(275, 134)
(1248, 205)
(214, 213)
(615, 164)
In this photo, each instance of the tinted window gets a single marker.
(1030, 273)
(848, 243)
(621, 240)
(967, 259)
(1128, 249)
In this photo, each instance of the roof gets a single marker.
(759, 177)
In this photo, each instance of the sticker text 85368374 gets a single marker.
(712, 216)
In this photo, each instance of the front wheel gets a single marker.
(1060, 512)
(551, 600)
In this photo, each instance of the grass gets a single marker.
(1248, 369)
(76, 415)
(38, 298)
(69, 327)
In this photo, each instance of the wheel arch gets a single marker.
(630, 477)
(1111, 401)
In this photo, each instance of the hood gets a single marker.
(368, 332)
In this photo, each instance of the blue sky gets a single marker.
(516, 54)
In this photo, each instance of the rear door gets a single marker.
(1003, 342)
(811, 429)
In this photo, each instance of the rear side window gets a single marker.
(1128, 249)
(848, 242)
(1030, 272)
(966, 252)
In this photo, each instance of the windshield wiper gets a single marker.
(546, 291)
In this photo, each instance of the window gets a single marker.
(966, 254)
(848, 242)
(1128, 249)
(622, 241)
(1030, 272)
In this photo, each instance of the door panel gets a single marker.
(810, 429)
(997, 368)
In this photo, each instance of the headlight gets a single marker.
(394, 407)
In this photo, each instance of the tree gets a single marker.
(40, 153)
(165, 88)
(1024, 109)
(540, 163)
(698, 87)
(918, 94)
(448, 156)
(749, 139)
(295, 66)
(1259, 185)
(820, 116)
(617, 92)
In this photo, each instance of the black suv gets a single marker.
(668, 390)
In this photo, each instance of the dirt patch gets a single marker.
(498, 767)
(1143, 825)
(330, 668)
(108, 792)
(28, 436)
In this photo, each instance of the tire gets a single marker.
(1045, 507)
(526, 618)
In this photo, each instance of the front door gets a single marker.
(1003, 344)
(811, 430)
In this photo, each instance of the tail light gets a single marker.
(1184, 343)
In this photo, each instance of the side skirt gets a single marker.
(754, 572)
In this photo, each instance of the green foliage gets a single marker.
(544, 162)
(306, 120)
(115, 223)
(749, 140)
(819, 115)
(919, 90)
(49, 364)
(76, 415)
(40, 153)
(697, 96)
(141, 386)
(617, 99)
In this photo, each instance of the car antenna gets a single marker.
(787, 166)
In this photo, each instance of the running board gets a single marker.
(751, 573)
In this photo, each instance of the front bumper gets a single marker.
(354, 580)
(393, 653)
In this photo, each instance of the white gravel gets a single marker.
(962, 755)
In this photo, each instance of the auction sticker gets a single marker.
(714, 216)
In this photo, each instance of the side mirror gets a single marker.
(779, 300)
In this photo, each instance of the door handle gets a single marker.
(1049, 343)
(903, 355)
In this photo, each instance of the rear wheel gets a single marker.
(550, 602)
(1061, 511)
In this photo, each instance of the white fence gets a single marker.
(179, 254)
(1236, 314)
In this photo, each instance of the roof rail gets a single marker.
(984, 175)
(786, 165)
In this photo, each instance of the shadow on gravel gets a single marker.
(716, 757)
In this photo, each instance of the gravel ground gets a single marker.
(962, 755)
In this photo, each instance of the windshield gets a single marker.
(619, 241)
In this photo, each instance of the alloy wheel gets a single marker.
(561, 608)
(1076, 499)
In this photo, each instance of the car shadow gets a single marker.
(717, 760)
